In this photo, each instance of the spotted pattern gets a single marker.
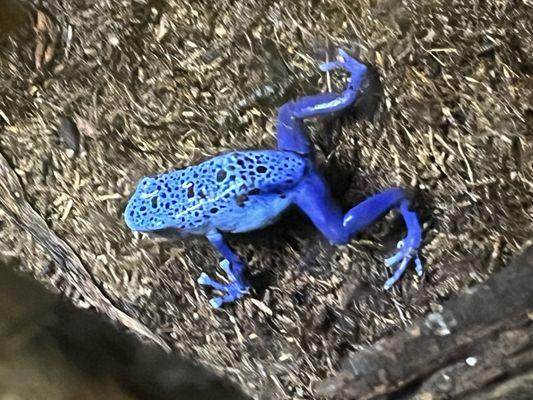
(187, 199)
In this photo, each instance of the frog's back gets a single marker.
(241, 172)
(217, 190)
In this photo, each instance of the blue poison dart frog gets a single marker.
(245, 190)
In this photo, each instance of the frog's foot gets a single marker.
(404, 256)
(407, 248)
(236, 288)
(348, 63)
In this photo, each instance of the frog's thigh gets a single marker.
(315, 200)
(290, 129)
(291, 132)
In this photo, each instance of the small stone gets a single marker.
(436, 323)
(113, 40)
(471, 361)
(220, 31)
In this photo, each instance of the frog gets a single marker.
(245, 190)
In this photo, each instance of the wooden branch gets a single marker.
(479, 340)
(14, 203)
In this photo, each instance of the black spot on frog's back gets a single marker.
(240, 199)
(259, 170)
(221, 175)
(190, 192)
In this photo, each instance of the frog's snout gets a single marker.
(129, 216)
(140, 205)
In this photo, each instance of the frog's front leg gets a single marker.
(234, 269)
(315, 200)
(290, 128)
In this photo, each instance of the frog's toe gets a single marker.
(226, 267)
(405, 254)
(343, 61)
(397, 274)
(216, 302)
(418, 266)
(233, 290)
(233, 294)
(328, 66)
(206, 280)
(350, 64)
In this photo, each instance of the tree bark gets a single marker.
(479, 346)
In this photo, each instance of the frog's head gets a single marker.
(143, 211)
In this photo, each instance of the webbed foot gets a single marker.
(235, 289)
(407, 248)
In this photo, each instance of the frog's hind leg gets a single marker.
(290, 128)
(315, 200)
(368, 211)
(234, 269)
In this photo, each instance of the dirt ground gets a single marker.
(154, 85)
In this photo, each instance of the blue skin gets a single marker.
(247, 190)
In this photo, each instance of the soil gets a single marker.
(113, 91)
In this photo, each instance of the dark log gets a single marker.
(479, 346)
(53, 350)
